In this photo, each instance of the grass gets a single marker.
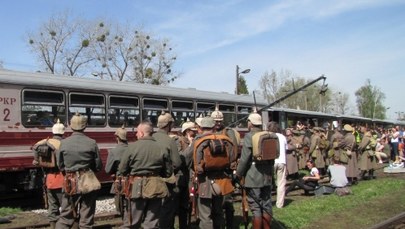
(9, 211)
(309, 211)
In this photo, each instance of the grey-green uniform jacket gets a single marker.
(169, 144)
(257, 175)
(78, 152)
(145, 156)
(114, 158)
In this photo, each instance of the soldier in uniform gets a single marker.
(167, 143)
(303, 148)
(367, 161)
(314, 150)
(79, 156)
(258, 177)
(113, 160)
(146, 162)
(220, 128)
(53, 176)
(210, 192)
(292, 161)
(348, 156)
(184, 143)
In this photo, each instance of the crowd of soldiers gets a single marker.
(359, 148)
(193, 173)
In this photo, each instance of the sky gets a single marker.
(346, 41)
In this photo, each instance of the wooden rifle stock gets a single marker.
(245, 206)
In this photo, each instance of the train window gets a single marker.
(43, 97)
(181, 116)
(123, 110)
(205, 107)
(182, 105)
(181, 110)
(229, 113)
(243, 113)
(90, 105)
(152, 108)
(42, 108)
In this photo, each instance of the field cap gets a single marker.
(78, 122)
(121, 133)
(187, 125)
(217, 115)
(255, 118)
(348, 128)
(58, 128)
(164, 119)
(207, 122)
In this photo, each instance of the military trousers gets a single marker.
(210, 212)
(82, 207)
(143, 212)
(54, 203)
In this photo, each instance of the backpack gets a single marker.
(45, 151)
(265, 146)
(217, 149)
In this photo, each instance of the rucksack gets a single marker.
(217, 149)
(265, 146)
(45, 150)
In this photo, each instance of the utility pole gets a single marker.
(237, 77)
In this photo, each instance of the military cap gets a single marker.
(187, 125)
(217, 115)
(78, 122)
(121, 133)
(348, 128)
(199, 119)
(207, 122)
(164, 119)
(302, 132)
(255, 118)
(58, 128)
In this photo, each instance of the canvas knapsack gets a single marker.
(265, 146)
(45, 150)
(217, 149)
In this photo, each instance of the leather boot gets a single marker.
(257, 223)
(266, 221)
(53, 225)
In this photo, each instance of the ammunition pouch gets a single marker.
(80, 182)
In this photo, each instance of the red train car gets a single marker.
(31, 102)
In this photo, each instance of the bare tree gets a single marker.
(103, 49)
(52, 43)
(275, 86)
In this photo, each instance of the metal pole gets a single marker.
(237, 80)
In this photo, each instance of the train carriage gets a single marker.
(31, 102)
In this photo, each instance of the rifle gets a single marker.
(45, 191)
(245, 207)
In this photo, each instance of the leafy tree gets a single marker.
(243, 89)
(103, 49)
(369, 101)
